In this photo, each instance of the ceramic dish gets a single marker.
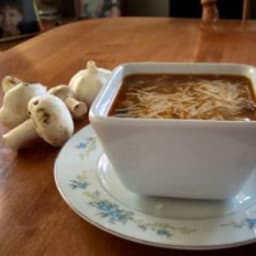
(90, 186)
(156, 156)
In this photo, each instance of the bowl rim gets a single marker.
(95, 116)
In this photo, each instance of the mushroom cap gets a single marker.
(87, 83)
(51, 119)
(61, 91)
(103, 74)
(87, 88)
(14, 110)
(9, 82)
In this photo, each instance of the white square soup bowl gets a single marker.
(176, 158)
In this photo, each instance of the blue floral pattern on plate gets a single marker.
(114, 213)
(92, 202)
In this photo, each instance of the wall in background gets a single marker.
(148, 8)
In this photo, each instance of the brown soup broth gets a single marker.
(185, 96)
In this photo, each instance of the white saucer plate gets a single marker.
(90, 186)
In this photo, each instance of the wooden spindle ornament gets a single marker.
(209, 10)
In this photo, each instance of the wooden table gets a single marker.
(34, 219)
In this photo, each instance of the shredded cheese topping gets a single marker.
(199, 99)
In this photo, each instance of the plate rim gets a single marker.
(65, 197)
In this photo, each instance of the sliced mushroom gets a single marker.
(77, 108)
(87, 83)
(15, 101)
(49, 119)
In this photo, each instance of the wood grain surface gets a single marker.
(34, 219)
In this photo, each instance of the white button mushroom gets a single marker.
(15, 101)
(77, 108)
(9, 82)
(87, 83)
(49, 119)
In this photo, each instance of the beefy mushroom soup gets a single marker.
(185, 96)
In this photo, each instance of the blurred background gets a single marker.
(50, 13)
(176, 8)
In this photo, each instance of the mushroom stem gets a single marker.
(77, 108)
(91, 67)
(20, 135)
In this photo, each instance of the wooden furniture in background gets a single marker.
(246, 9)
(34, 219)
(210, 10)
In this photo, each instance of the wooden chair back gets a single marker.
(210, 11)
